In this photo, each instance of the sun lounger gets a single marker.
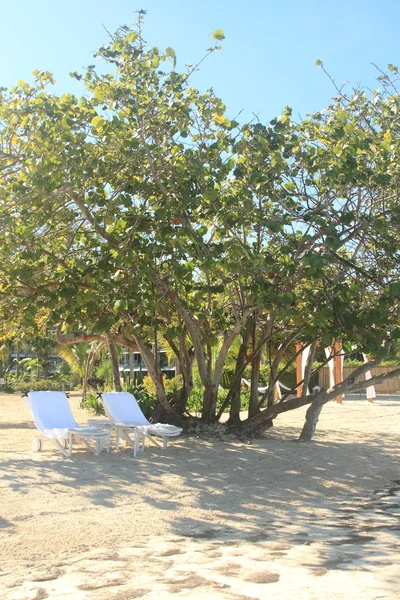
(128, 418)
(53, 417)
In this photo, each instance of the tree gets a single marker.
(144, 213)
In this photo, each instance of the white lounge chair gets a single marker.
(53, 417)
(128, 418)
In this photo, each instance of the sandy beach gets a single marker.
(221, 519)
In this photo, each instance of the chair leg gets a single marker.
(87, 444)
(136, 443)
(60, 446)
(117, 439)
(165, 442)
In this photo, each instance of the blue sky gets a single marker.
(268, 56)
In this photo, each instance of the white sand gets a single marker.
(205, 519)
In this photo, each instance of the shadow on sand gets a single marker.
(253, 505)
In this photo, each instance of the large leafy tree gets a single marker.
(141, 211)
(112, 190)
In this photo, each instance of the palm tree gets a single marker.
(81, 358)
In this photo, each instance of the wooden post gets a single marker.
(299, 370)
(370, 389)
(338, 369)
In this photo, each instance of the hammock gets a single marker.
(262, 390)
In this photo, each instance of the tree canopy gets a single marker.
(142, 212)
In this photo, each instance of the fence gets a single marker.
(391, 386)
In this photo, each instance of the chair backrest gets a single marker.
(123, 408)
(51, 411)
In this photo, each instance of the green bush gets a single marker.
(146, 400)
(93, 403)
(7, 389)
(352, 363)
(172, 385)
(35, 386)
(389, 362)
(195, 400)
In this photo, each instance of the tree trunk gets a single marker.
(85, 380)
(153, 371)
(177, 367)
(351, 383)
(209, 402)
(255, 369)
(17, 355)
(310, 425)
(114, 362)
(234, 412)
(131, 367)
(180, 400)
(184, 358)
(255, 377)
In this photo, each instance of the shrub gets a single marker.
(93, 403)
(33, 386)
(146, 400)
(174, 384)
(148, 385)
(195, 400)
(6, 389)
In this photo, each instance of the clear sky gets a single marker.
(268, 56)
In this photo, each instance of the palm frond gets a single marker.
(72, 358)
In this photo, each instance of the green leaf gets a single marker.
(119, 305)
(210, 194)
(98, 123)
(172, 55)
(334, 242)
(395, 334)
(75, 75)
(131, 36)
(394, 289)
(103, 324)
(218, 34)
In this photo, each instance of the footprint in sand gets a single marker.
(172, 552)
(263, 577)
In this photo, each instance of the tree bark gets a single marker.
(255, 370)
(234, 413)
(308, 369)
(312, 417)
(184, 358)
(209, 402)
(131, 367)
(85, 378)
(114, 362)
(153, 371)
(255, 378)
(273, 378)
